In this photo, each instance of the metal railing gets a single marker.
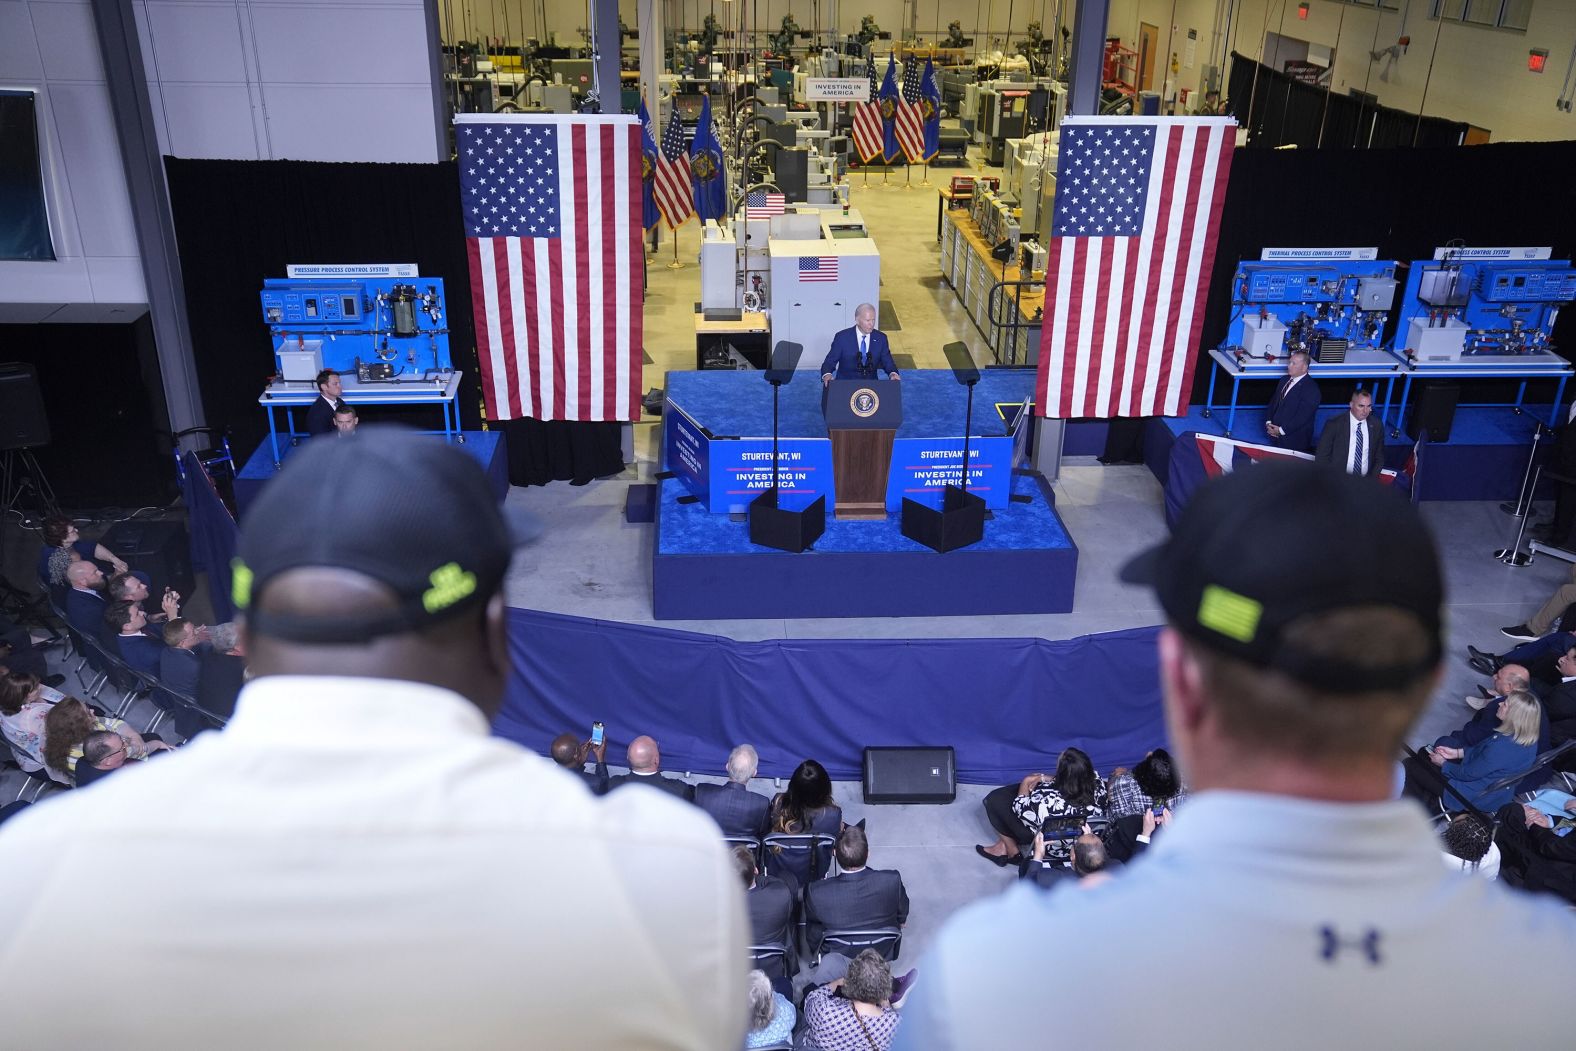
(1002, 333)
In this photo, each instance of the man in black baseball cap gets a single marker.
(355, 860)
(1302, 638)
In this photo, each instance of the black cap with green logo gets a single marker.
(405, 509)
(1259, 548)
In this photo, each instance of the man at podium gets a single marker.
(858, 352)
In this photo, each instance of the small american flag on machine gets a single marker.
(818, 268)
(762, 205)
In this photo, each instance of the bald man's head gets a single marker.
(644, 755)
(84, 574)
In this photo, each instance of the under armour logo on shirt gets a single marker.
(1332, 944)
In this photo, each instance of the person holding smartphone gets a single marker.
(571, 754)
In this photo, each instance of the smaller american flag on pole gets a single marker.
(671, 185)
(818, 268)
(762, 205)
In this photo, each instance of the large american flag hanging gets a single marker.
(552, 227)
(1132, 243)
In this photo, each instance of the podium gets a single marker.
(861, 417)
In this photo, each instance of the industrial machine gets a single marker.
(1481, 304)
(1329, 302)
(378, 323)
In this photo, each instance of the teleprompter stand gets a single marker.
(961, 519)
(771, 525)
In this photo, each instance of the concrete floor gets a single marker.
(590, 562)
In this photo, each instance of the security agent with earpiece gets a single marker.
(356, 860)
(859, 352)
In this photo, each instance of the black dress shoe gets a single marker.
(1493, 658)
(999, 860)
(53, 680)
(1482, 666)
(1483, 692)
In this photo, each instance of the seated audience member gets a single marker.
(345, 420)
(1468, 845)
(85, 602)
(18, 653)
(853, 1013)
(1091, 862)
(1463, 775)
(1130, 836)
(1154, 780)
(737, 810)
(221, 672)
(1538, 847)
(772, 1015)
(63, 545)
(1507, 679)
(805, 806)
(858, 898)
(645, 768)
(66, 729)
(24, 705)
(571, 754)
(103, 753)
(1072, 797)
(179, 665)
(1560, 703)
(138, 649)
(131, 587)
(770, 902)
(1552, 612)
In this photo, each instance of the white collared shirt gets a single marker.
(355, 863)
(1354, 465)
(1256, 919)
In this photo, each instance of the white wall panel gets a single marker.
(210, 120)
(193, 42)
(19, 58)
(67, 40)
(330, 44)
(86, 130)
(351, 124)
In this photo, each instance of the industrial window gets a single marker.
(1493, 14)
(24, 223)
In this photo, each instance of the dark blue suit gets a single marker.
(843, 360)
(140, 651)
(85, 612)
(1292, 411)
(736, 809)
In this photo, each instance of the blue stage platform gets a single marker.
(486, 446)
(1484, 459)
(705, 568)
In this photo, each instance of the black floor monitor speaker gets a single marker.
(959, 523)
(1434, 410)
(910, 775)
(776, 527)
(159, 549)
(23, 424)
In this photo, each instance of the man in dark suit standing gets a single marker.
(1354, 442)
(645, 768)
(1288, 419)
(737, 810)
(320, 417)
(859, 352)
(571, 754)
(859, 899)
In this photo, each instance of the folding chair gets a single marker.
(852, 941)
(804, 855)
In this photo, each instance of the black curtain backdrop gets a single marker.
(1280, 111)
(238, 222)
(104, 399)
(1404, 201)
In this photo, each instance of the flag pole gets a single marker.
(676, 264)
(924, 179)
(908, 173)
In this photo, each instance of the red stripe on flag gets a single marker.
(1223, 143)
(480, 311)
(634, 300)
(580, 349)
(1073, 295)
(607, 194)
(1180, 289)
(506, 322)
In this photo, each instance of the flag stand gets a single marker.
(924, 179)
(908, 173)
(676, 264)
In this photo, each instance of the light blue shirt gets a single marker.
(1254, 921)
